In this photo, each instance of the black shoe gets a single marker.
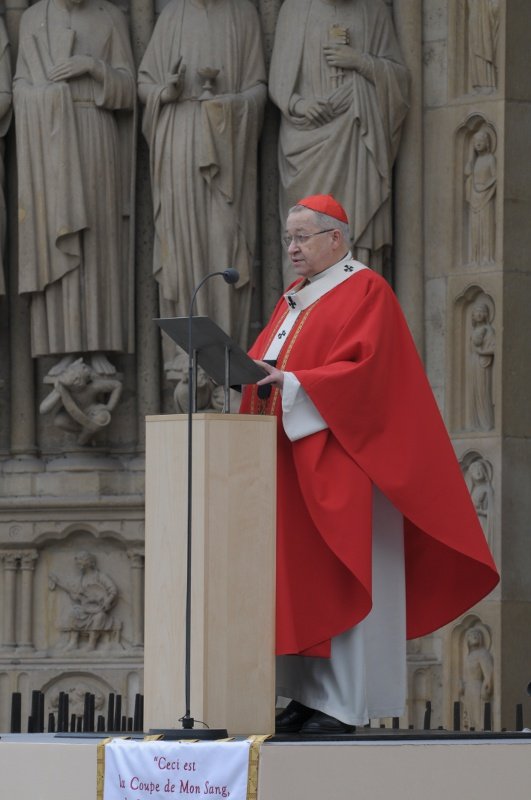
(320, 723)
(291, 718)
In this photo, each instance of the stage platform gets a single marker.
(439, 767)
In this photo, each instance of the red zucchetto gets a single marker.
(324, 204)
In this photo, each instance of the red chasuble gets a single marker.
(353, 354)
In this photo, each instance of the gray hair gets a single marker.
(325, 221)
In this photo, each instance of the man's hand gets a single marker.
(275, 376)
(75, 67)
(343, 56)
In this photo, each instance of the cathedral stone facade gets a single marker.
(97, 242)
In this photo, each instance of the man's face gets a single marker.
(316, 254)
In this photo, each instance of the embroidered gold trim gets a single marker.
(289, 346)
(100, 767)
(254, 759)
(269, 406)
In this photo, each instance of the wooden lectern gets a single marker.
(233, 571)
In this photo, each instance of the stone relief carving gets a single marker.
(477, 674)
(93, 595)
(473, 352)
(480, 192)
(177, 371)
(74, 96)
(202, 80)
(210, 397)
(82, 400)
(338, 77)
(483, 20)
(56, 602)
(478, 474)
(482, 345)
(5, 119)
(76, 691)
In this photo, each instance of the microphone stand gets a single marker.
(188, 731)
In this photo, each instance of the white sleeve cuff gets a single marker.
(299, 415)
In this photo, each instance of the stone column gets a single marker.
(13, 13)
(136, 562)
(142, 22)
(271, 251)
(514, 408)
(408, 194)
(27, 567)
(148, 335)
(22, 380)
(11, 562)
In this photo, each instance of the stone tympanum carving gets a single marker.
(93, 595)
(481, 178)
(482, 346)
(338, 77)
(477, 684)
(81, 400)
(74, 92)
(202, 80)
(5, 119)
(483, 24)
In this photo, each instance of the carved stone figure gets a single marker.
(202, 80)
(5, 119)
(82, 400)
(93, 595)
(480, 367)
(478, 667)
(76, 691)
(481, 177)
(478, 478)
(74, 93)
(483, 23)
(338, 77)
(177, 370)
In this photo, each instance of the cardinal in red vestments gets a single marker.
(377, 538)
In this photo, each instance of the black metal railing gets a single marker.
(63, 721)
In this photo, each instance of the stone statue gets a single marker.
(478, 667)
(74, 95)
(483, 23)
(177, 370)
(480, 172)
(93, 595)
(478, 478)
(5, 119)
(82, 400)
(481, 360)
(202, 81)
(338, 77)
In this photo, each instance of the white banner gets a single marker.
(139, 770)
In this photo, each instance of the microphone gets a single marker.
(231, 275)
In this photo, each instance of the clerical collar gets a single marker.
(300, 298)
(323, 272)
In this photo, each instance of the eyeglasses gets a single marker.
(302, 238)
